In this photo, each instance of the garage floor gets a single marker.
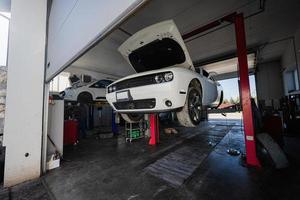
(191, 165)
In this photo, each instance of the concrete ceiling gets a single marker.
(279, 20)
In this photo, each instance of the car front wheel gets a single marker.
(191, 113)
(85, 97)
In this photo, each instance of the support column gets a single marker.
(154, 129)
(25, 86)
(245, 91)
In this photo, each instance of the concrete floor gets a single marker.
(113, 169)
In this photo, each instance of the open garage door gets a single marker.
(74, 26)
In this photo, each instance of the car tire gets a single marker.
(191, 113)
(85, 97)
(132, 117)
(221, 99)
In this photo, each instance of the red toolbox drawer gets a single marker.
(70, 132)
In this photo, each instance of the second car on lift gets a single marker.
(86, 89)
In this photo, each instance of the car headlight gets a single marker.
(168, 76)
(164, 77)
(159, 78)
(112, 89)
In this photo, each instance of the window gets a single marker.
(60, 82)
(74, 79)
(205, 73)
(101, 84)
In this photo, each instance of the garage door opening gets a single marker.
(120, 148)
(115, 155)
(77, 110)
(4, 29)
(225, 71)
(231, 109)
(114, 152)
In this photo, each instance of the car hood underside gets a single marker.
(155, 47)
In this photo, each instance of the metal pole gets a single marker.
(251, 157)
(154, 129)
(114, 127)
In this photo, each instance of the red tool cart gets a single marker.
(70, 132)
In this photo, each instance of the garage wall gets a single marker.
(3, 80)
(269, 84)
(25, 86)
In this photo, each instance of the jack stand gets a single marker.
(154, 129)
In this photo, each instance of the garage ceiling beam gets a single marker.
(208, 26)
(190, 36)
(231, 75)
(221, 57)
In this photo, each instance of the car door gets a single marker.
(210, 91)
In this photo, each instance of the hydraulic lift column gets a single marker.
(154, 129)
(238, 20)
(245, 90)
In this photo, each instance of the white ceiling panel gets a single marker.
(75, 25)
(280, 19)
(105, 58)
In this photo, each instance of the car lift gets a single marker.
(154, 129)
(238, 21)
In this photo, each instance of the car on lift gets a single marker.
(166, 79)
(86, 89)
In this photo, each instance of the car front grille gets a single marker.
(135, 82)
(136, 104)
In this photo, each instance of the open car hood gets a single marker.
(156, 47)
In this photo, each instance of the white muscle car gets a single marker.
(166, 79)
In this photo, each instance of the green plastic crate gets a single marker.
(134, 134)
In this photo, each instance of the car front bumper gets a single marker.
(150, 98)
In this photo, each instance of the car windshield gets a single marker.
(157, 54)
(101, 83)
(205, 73)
